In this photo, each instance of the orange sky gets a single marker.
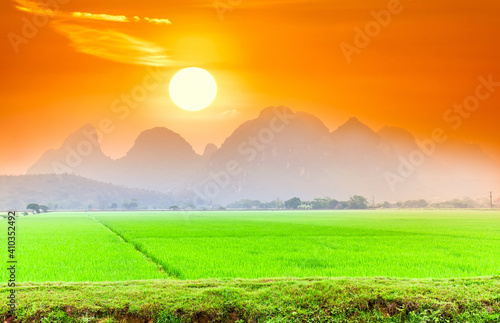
(262, 53)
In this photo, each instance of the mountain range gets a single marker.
(283, 154)
(70, 192)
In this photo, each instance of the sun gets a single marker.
(193, 89)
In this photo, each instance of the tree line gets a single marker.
(36, 208)
(356, 202)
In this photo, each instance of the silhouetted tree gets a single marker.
(293, 203)
(321, 203)
(343, 205)
(333, 204)
(416, 203)
(33, 206)
(386, 205)
(358, 202)
(44, 208)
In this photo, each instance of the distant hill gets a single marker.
(279, 154)
(79, 154)
(282, 154)
(72, 192)
(301, 157)
(160, 160)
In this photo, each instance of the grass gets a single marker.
(406, 244)
(201, 245)
(73, 247)
(264, 300)
(202, 267)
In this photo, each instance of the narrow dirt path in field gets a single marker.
(160, 266)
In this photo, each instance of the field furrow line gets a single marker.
(161, 267)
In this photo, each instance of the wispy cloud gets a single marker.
(37, 7)
(106, 17)
(34, 7)
(158, 21)
(99, 16)
(113, 45)
(109, 43)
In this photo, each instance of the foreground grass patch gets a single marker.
(263, 300)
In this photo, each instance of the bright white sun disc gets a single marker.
(193, 88)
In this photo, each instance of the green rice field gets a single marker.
(119, 246)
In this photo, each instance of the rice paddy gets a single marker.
(116, 246)
(73, 247)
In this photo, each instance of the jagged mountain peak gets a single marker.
(354, 131)
(79, 154)
(353, 124)
(279, 153)
(271, 111)
(160, 140)
(209, 150)
(157, 133)
(86, 132)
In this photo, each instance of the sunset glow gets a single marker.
(396, 63)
